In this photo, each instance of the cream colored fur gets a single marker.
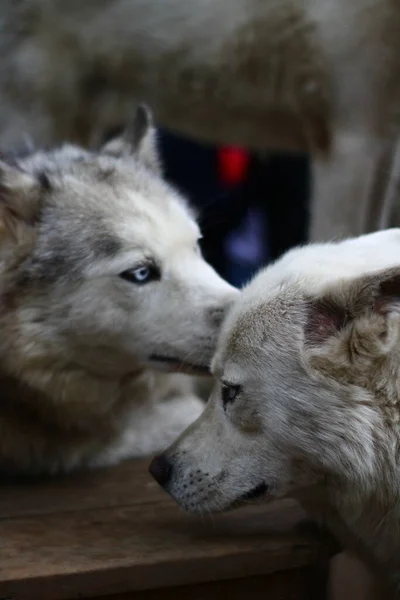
(84, 335)
(307, 398)
(318, 75)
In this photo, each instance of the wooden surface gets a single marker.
(298, 584)
(115, 531)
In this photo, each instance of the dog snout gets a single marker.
(161, 469)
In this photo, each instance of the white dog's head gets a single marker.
(100, 262)
(307, 372)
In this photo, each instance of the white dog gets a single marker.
(307, 398)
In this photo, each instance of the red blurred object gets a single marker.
(233, 164)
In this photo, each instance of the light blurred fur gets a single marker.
(309, 75)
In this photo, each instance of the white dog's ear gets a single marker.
(360, 300)
(324, 320)
(138, 140)
(20, 195)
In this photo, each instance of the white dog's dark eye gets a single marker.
(142, 275)
(229, 393)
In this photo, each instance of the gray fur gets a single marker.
(79, 382)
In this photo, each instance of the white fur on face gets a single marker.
(176, 317)
(99, 217)
(306, 409)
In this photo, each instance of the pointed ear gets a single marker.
(138, 140)
(324, 320)
(377, 294)
(20, 195)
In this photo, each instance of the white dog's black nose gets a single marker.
(161, 469)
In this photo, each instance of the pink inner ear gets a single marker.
(323, 322)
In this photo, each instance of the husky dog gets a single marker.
(307, 398)
(309, 75)
(101, 284)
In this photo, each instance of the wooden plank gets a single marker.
(113, 532)
(90, 553)
(299, 584)
(125, 485)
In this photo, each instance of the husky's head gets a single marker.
(100, 261)
(307, 389)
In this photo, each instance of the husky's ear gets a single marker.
(368, 303)
(138, 140)
(20, 195)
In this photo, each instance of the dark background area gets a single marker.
(248, 222)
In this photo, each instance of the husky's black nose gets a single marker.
(161, 469)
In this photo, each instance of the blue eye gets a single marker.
(142, 274)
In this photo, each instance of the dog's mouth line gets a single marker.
(180, 365)
(255, 493)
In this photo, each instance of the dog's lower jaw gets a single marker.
(258, 494)
(255, 495)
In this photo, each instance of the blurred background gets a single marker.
(251, 208)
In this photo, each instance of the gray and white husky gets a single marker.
(102, 286)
